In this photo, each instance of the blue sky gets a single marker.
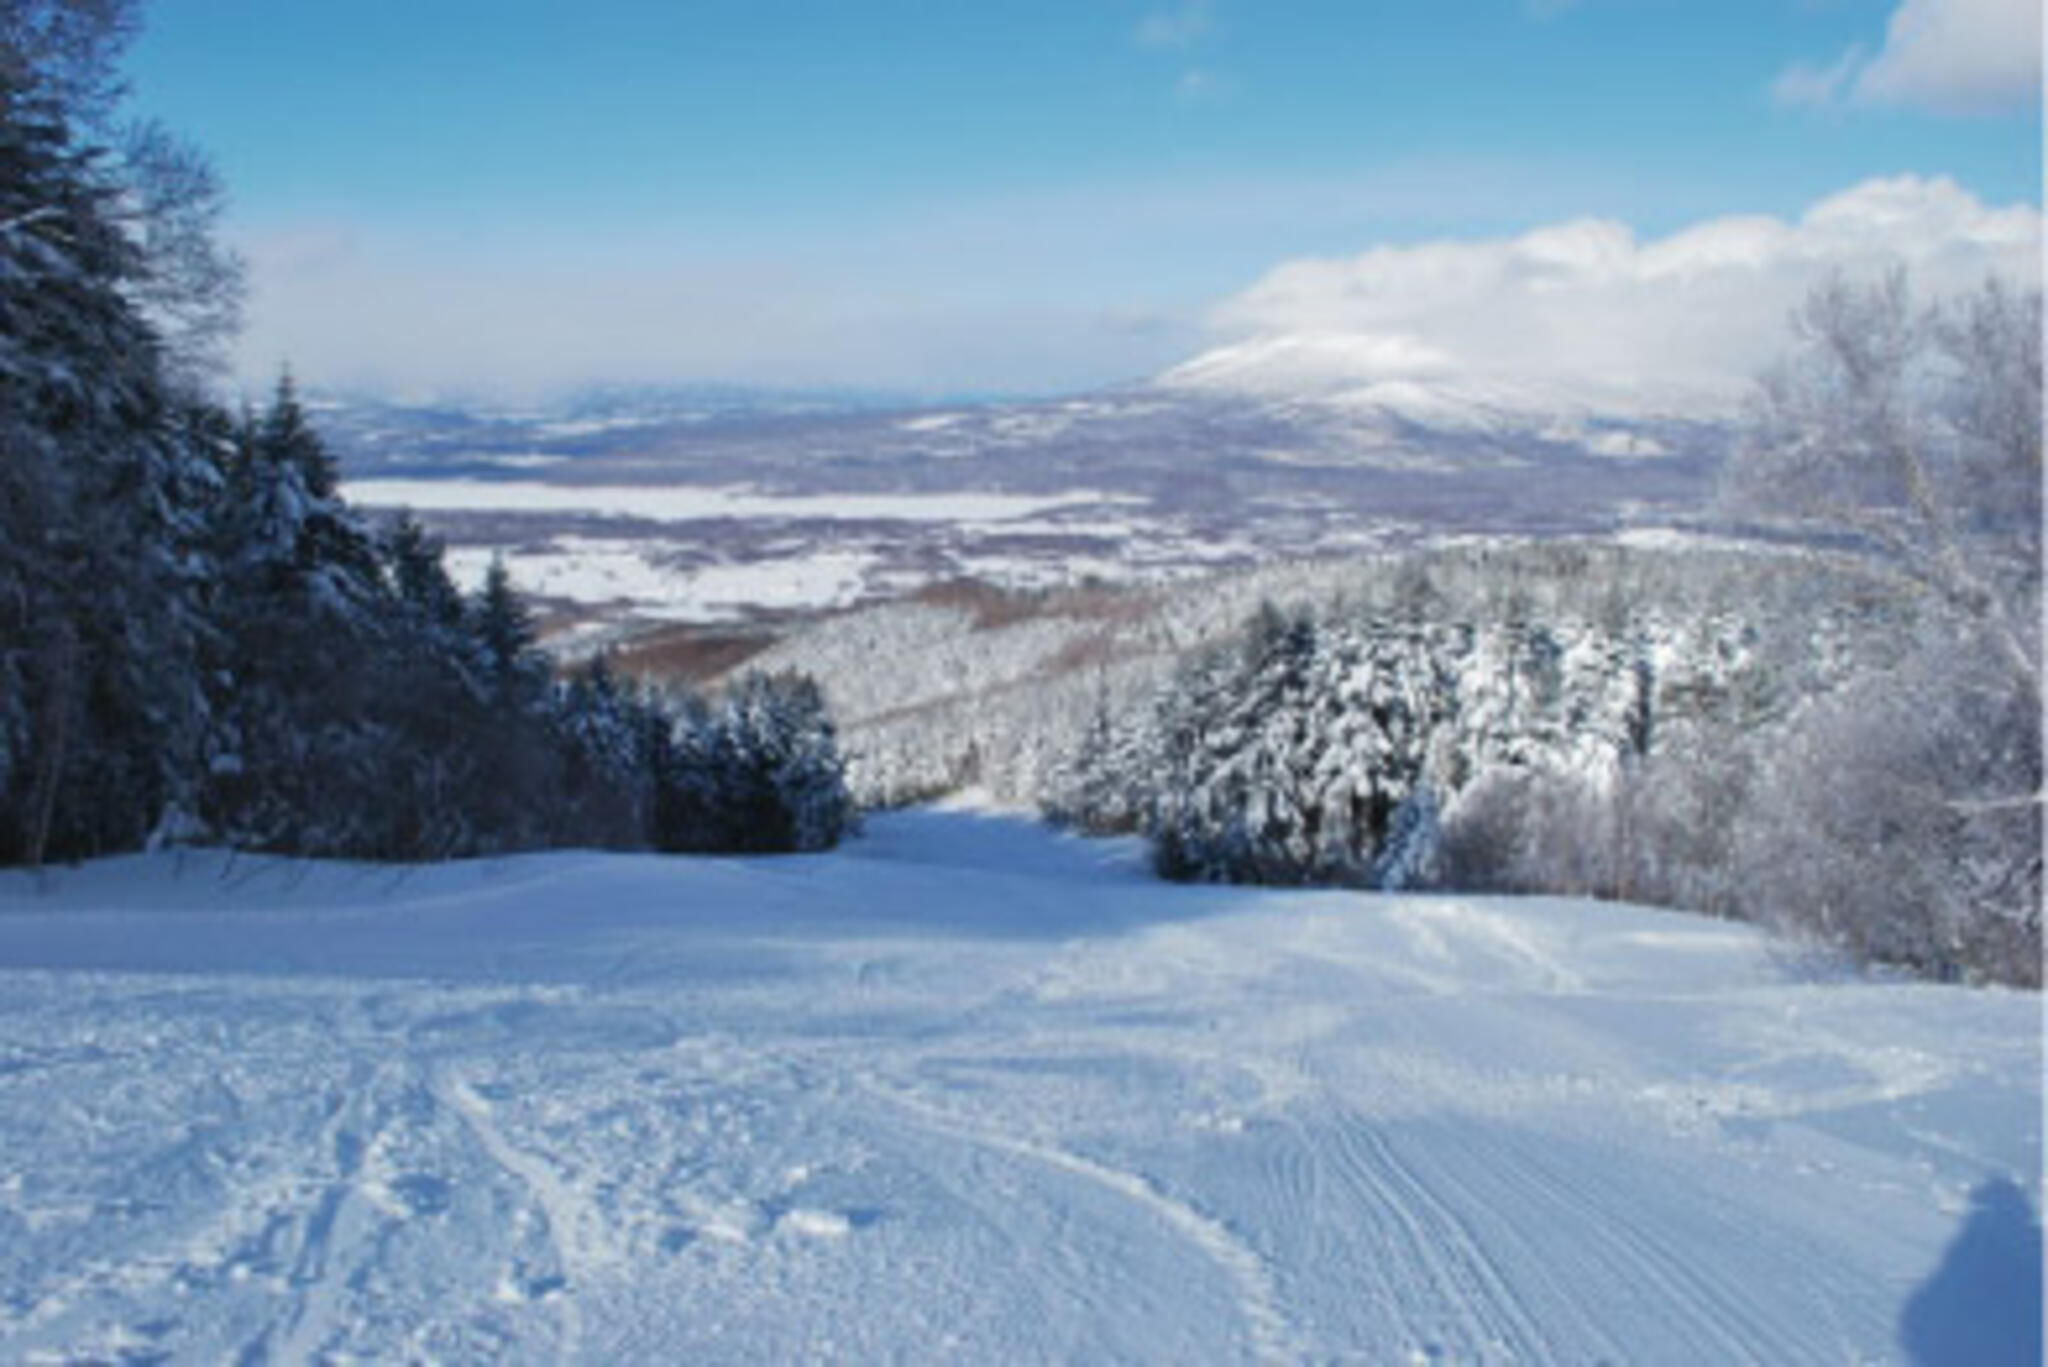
(981, 195)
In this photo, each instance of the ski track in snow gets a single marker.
(578, 1248)
(1272, 1337)
(964, 1092)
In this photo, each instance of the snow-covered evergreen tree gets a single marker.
(1286, 759)
(413, 562)
(610, 765)
(810, 778)
(504, 634)
(780, 784)
(1293, 756)
(100, 491)
(1100, 786)
(307, 612)
(1408, 857)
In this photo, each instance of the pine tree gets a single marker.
(757, 773)
(503, 631)
(1407, 856)
(304, 701)
(1234, 803)
(103, 712)
(1099, 786)
(606, 796)
(413, 563)
(809, 778)
(287, 440)
(685, 751)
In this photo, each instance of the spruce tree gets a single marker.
(103, 713)
(502, 629)
(413, 563)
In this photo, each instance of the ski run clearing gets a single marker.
(969, 1091)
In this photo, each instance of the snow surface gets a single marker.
(968, 1091)
(644, 572)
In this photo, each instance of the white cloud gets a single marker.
(1585, 313)
(1052, 288)
(1965, 55)
(1950, 56)
(1180, 27)
(1068, 288)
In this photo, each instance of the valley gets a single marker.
(645, 510)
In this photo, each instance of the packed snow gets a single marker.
(970, 1091)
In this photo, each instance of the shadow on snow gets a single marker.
(1983, 1304)
(581, 916)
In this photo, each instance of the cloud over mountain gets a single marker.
(1950, 56)
(1584, 313)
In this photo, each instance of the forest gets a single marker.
(1769, 738)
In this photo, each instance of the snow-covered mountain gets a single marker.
(1588, 317)
(1400, 392)
(967, 1091)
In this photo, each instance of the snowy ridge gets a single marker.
(968, 1091)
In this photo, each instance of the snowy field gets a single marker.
(971, 1092)
(691, 503)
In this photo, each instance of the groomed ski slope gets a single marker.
(968, 1091)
